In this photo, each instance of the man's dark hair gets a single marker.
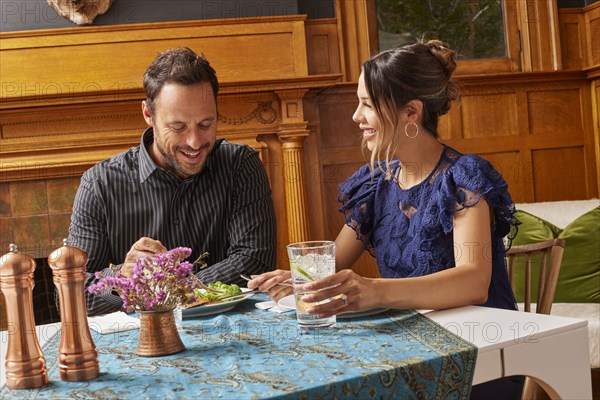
(179, 65)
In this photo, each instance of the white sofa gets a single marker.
(561, 214)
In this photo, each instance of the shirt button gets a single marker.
(176, 221)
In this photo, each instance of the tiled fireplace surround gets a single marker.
(35, 215)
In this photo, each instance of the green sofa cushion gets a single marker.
(533, 229)
(579, 278)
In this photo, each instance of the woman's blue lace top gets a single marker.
(410, 232)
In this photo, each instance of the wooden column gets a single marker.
(291, 133)
(540, 41)
(357, 30)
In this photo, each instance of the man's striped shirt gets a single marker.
(225, 210)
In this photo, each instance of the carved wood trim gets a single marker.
(322, 46)
(88, 60)
(356, 30)
(592, 29)
(538, 23)
(49, 134)
(292, 131)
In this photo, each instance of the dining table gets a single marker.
(249, 353)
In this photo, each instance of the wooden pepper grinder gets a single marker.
(25, 363)
(77, 354)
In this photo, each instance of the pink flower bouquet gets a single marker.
(159, 282)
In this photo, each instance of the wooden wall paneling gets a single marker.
(322, 46)
(552, 110)
(592, 29)
(83, 109)
(356, 28)
(313, 172)
(555, 112)
(340, 157)
(488, 111)
(540, 41)
(509, 166)
(559, 174)
(450, 125)
(526, 171)
(339, 144)
(275, 49)
(291, 132)
(589, 116)
(535, 128)
(573, 38)
(276, 172)
(595, 94)
(445, 124)
(560, 117)
(525, 40)
(524, 167)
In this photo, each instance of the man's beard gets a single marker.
(172, 161)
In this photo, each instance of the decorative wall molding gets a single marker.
(265, 114)
(58, 121)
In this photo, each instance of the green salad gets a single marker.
(229, 290)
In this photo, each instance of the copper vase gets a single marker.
(158, 334)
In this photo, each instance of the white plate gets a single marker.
(209, 309)
(289, 303)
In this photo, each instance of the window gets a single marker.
(483, 32)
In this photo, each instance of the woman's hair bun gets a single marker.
(444, 54)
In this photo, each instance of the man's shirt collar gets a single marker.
(147, 165)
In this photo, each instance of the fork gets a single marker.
(246, 277)
(236, 296)
(203, 286)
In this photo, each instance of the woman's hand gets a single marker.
(268, 282)
(347, 290)
(142, 248)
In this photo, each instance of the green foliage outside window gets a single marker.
(474, 28)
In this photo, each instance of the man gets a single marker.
(181, 187)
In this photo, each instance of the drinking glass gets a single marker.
(310, 261)
(178, 316)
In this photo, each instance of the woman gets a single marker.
(434, 219)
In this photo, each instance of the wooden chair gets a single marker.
(550, 253)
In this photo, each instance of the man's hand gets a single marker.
(268, 282)
(142, 248)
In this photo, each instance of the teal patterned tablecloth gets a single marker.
(247, 353)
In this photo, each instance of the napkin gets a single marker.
(114, 322)
(271, 306)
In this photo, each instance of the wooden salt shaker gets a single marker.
(77, 354)
(25, 363)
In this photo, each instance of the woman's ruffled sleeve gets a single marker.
(465, 182)
(357, 196)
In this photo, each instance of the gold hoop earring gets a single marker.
(416, 130)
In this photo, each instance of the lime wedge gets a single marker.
(295, 266)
